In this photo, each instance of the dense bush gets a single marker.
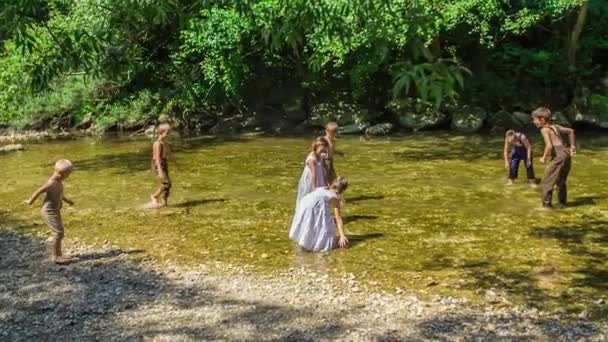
(204, 62)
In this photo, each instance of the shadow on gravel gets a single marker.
(102, 297)
(86, 256)
(109, 296)
(507, 327)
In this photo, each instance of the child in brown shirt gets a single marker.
(556, 173)
(51, 207)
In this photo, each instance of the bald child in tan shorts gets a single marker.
(51, 208)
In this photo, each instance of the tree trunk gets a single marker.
(575, 35)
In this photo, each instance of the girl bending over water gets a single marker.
(312, 176)
(313, 226)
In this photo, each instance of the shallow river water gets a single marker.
(426, 213)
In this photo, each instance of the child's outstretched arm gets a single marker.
(337, 152)
(313, 171)
(37, 193)
(529, 149)
(506, 153)
(548, 145)
(342, 241)
(571, 137)
(68, 201)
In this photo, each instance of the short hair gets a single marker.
(542, 112)
(63, 165)
(331, 126)
(164, 127)
(510, 133)
(339, 185)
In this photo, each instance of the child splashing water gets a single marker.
(313, 175)
(51, 208)
(521, 150)
(160, 165)
(313, 226)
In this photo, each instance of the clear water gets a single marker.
(427, 213)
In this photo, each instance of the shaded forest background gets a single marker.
(289, 65)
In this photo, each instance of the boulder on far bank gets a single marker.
(467, 119)
(11, 148)
(525, 119)
(342, 112)
(502, 121)
(415, 114)
(380, 129)
(352, 129)
(591, 110)
(561, 119)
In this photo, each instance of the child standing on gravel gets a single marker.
(313, 174)
(556, 173)
(51, 208)
(331, 131)
(160, 166)
(521, 150)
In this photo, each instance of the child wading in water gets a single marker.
(313, 226)
(51, 208)
(313, 175)
(160, 165)
(521, 151)
(331, 130)
(556, 173)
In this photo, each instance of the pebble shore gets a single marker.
(113, 294)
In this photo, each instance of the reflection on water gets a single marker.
(422, 209)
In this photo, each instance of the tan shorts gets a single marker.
(53, 220)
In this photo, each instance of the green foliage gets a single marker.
(130, 112)
(202, 57)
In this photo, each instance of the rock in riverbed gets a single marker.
(11, 148)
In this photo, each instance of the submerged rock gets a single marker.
(352, 129)
(415, 114)
(380, 129)
(11, 148)
(468, 119)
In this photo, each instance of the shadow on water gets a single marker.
(533, 284)
(584, 201)
(196, 203)
(363, 198)
(577, 240)
(355, 240)
(118, 163)
(469, 149)
(354, 218)
(136, 161)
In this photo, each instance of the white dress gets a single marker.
(313, 226)
(305, 185)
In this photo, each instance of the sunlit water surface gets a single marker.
(427, 213)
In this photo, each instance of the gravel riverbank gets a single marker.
(113, 294)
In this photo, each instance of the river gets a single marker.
(427, 213)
